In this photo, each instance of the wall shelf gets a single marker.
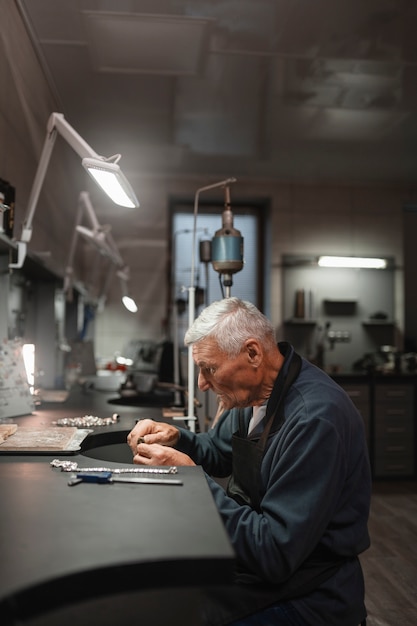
(295, 321)
(387, 323)
(340, 307)
(349, 304)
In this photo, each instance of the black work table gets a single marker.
(104, 553)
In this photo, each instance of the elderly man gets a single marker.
(297, 501)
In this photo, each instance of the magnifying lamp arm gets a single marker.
(37, 186)
(78, 144)
(100, 235)
(69, 269)
(117, 259)
(26, 233)
(68, 280)
(56, 124)
(85, 201)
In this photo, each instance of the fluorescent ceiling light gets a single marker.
(111, 179)
(352, 262)
(100, 168)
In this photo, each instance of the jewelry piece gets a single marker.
(140, 440)
(64, 466)
(87, 421)
(72, 466)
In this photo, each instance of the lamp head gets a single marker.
(127, 300)
(105, 172)
(110, 178)
(130, 304)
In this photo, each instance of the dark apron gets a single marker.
(250, 594)
(245, 482)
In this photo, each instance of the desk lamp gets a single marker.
(106, 173)
(100, 237)
(128, 301)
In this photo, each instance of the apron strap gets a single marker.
(279, 391)
(277, 396)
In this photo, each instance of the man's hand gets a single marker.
(155, 454)
(148, 431)
(151, 443)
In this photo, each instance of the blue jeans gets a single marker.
(281, 614)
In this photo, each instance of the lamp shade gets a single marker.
(127, 299)
(130, 304)
(111, 179)
(105, 171)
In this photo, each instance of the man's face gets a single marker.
(235, 381)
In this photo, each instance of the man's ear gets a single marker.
(253, 351)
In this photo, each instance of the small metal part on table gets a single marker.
(87, 421)
(74, 481)
(147, 481)
(72, 466)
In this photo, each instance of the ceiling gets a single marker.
(264, 89)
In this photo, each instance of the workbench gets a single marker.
(104, 553)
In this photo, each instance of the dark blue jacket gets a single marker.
(316, 485)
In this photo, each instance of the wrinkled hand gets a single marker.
(155, 454)
(151, 443)
(149, 431)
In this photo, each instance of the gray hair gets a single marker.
(231, 322)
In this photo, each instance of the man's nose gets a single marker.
(202, 382)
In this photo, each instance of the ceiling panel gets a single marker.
(150, 44)
(206, 86)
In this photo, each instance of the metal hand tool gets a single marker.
(107, 477)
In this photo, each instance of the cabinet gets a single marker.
(393, 429)
(388, 407)
(359, 393)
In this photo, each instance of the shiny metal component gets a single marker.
(72, 466)
(74, 481)
(106, 478)
(64, 466)
(87, 421)
(147, 481)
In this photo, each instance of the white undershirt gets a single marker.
(257, 416)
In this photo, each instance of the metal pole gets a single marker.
(191, 302)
